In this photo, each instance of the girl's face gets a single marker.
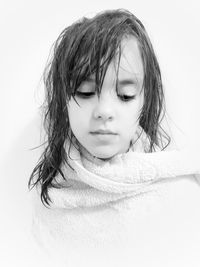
(105, 126)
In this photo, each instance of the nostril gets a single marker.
(104, 117)
(104, 109)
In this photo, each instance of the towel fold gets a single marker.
(94, 182)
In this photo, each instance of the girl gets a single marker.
(105, 144)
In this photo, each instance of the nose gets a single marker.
(104, 108)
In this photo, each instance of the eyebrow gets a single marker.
(127, 82)
(123, 82)
(120, 82)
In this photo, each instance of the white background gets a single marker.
(28, 29)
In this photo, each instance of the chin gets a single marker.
(104, 156)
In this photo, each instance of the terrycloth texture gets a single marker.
(95, 182)
(106, 199)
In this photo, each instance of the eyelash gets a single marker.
(124, 98)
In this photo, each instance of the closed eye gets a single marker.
(126, 98)
(123, 97)
(85, 94)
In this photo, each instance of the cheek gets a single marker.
(78, 117)
(135, 109)
(73, 115)
(131, 118)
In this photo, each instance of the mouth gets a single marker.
(103, 132)
(104, 137)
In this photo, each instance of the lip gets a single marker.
(101, 131)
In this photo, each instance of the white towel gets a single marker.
(100, 207)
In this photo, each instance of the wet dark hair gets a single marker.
(84, 48)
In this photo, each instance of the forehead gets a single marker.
(131, 61)
(126, 63)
